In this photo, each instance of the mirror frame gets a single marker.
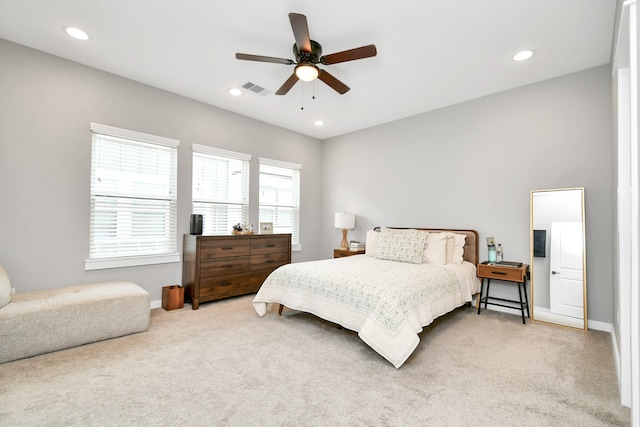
(585, 319)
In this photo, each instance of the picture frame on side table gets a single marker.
(266, 228)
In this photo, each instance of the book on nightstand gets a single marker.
(509, 264)
(356, 246)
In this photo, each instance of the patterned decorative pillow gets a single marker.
(401, 245)
(436, 250)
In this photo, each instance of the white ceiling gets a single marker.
(431, 53)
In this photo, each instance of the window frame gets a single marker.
(172, 256)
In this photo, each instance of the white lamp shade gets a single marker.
(345, 220)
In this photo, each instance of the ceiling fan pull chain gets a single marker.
(302, 96)
(313, 88)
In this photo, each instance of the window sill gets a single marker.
(105, 263)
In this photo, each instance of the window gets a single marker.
(133, 198)
(220, 188)
(280, 197)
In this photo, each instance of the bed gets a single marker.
(405, 280)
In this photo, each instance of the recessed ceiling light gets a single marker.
(523, 55)
(77, 33)
(235, 92)
(318, 123)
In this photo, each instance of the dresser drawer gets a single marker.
(224, 266)
(270, 244)
(216, 288)
(502, 273)
(258, 278)
(269, 261)
(218, 248)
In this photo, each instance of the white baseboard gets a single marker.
(595, 325)
(515, 311)
(155, 304)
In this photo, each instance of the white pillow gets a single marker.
(451, 241)
(455, 248)
(371, 247)
(436, 249)
(5, 288)
(401, 245)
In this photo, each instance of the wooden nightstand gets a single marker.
(516, 275)
(341, 253)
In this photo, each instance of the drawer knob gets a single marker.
(271, 245)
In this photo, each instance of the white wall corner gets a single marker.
(616, 358)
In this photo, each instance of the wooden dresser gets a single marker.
(216, 267)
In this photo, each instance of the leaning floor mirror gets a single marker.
(558, 257)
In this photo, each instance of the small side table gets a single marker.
(516, 275)
(341, 253)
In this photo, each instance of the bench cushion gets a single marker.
(49, 320)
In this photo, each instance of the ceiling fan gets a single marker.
(308, 54)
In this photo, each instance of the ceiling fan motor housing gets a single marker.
(313, 56)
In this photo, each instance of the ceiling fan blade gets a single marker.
(259, 58)
(287, 85)
(334, 83)
(300, 32)
(350, 55)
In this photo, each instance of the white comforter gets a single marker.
(386, 302)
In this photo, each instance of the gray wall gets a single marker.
(46, 105)
(473, 165)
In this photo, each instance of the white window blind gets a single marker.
(220, 190)
(280, 196)
(133, 194)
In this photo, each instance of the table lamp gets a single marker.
(345, 221)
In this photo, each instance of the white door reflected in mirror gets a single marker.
(566, 280)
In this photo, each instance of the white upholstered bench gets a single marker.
(39, 322)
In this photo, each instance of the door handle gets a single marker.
(554, 272)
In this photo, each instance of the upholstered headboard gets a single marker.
(470, 245)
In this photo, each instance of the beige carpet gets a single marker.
(223, 365)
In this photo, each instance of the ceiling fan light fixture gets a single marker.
(306, 72)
